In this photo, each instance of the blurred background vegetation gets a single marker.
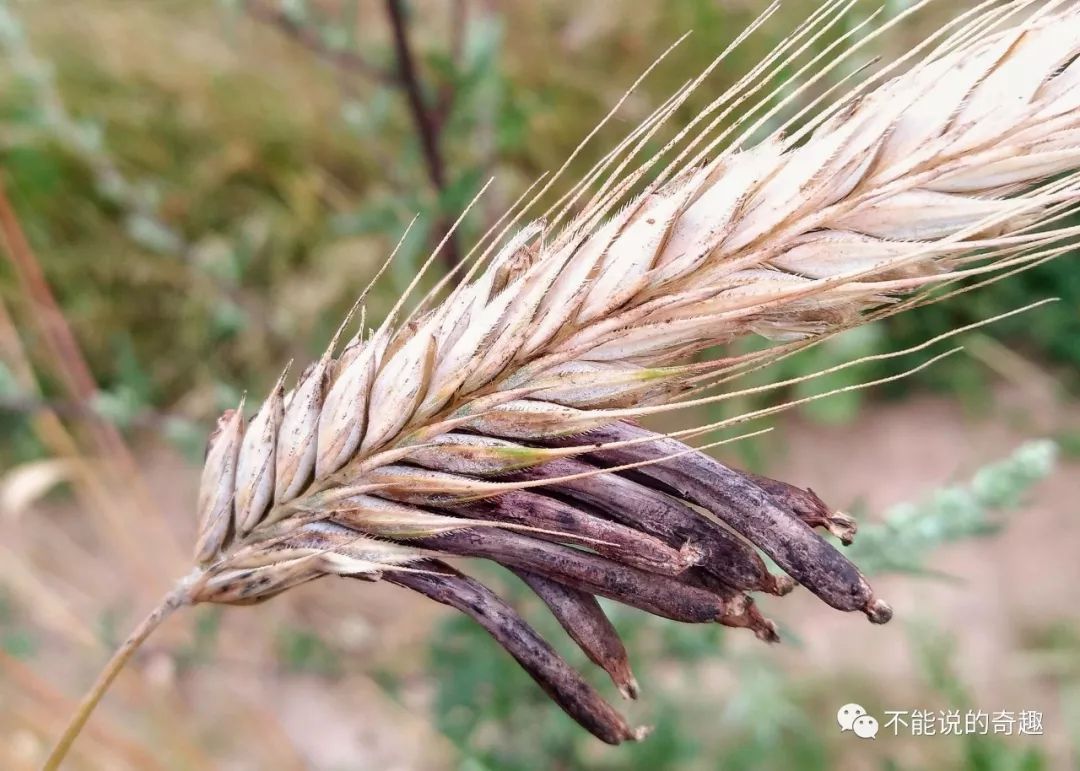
(206, 187)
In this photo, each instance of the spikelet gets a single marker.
(508, 405)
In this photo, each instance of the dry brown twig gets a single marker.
(66, 360)
(511, 401)
(427, 116)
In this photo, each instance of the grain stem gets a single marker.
(177, 597)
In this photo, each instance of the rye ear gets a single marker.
(497, 421)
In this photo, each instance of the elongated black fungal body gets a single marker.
(659, 514)
(742, 612)
(584, 620)
(748, 509)
(558, 679)
(806, 505)
(612, 539)
(654, 593)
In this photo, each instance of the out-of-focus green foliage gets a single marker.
(937, 656)
(757, 718)
(16, 638)
(902, 542)
(301, 650)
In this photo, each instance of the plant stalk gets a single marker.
(180, 595)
